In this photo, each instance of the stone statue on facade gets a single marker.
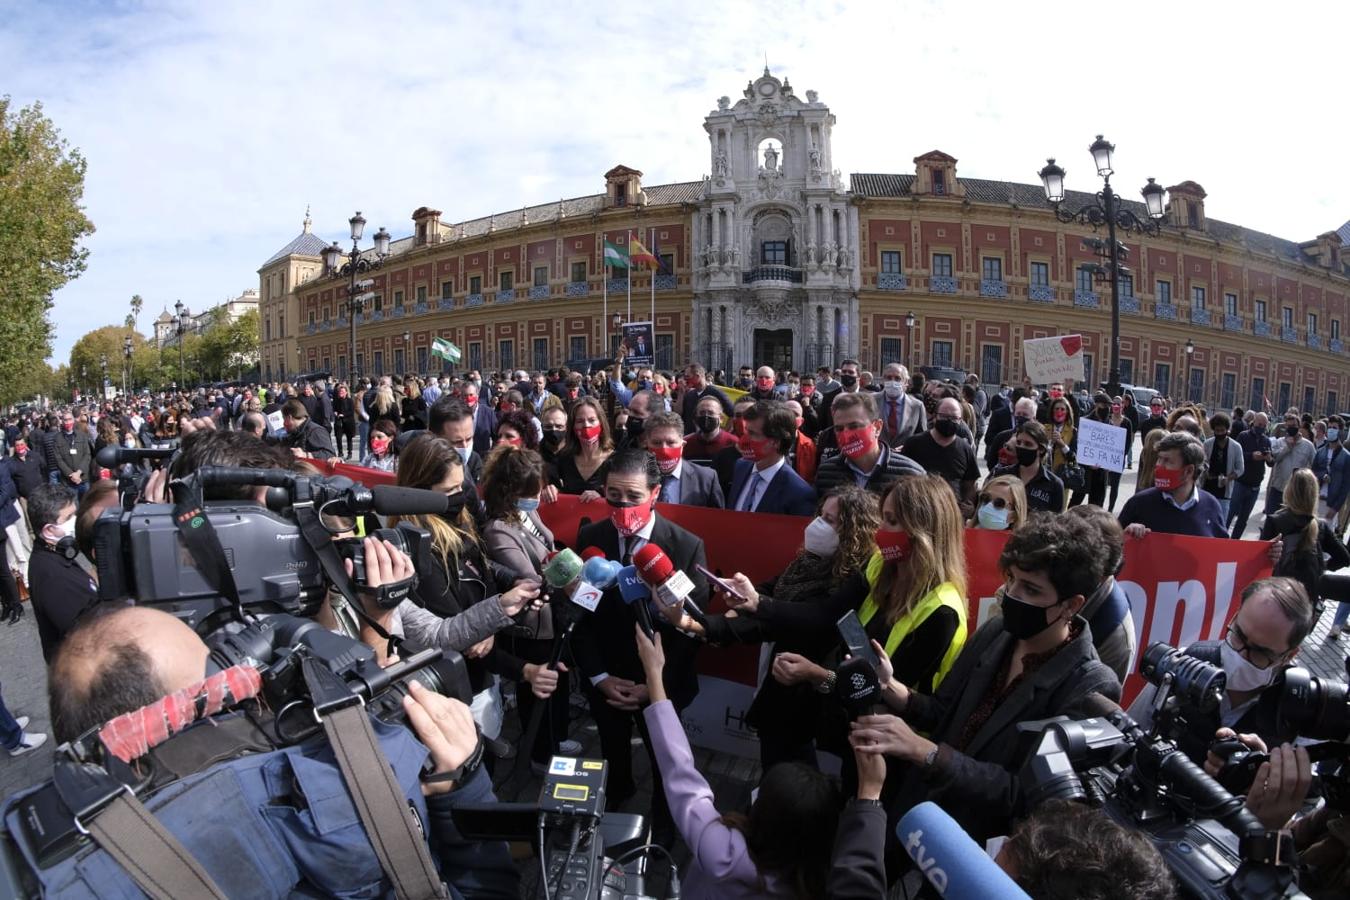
(771, 159)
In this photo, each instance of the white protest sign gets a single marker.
(275, 423)
(1101, 444)
(1054, 358)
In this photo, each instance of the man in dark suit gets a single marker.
(484, 420)
(303, 434)
(763, 481)
(862, 458)
(696, 387)
(902, 415)
(603, 643)
(682, 481)
(73, 454)
(849, 371)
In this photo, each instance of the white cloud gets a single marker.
(209, 127)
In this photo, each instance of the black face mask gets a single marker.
(1027, 456)
(708, 424)
(553, 438)
(455, 505)
(634, 427)
(1022, 620)
(848, 380)
(1020, 420)
(945, 428)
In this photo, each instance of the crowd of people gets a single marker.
(885, 475)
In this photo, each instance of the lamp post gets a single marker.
(1107, 210)
(356, 263)
(84, 377)
(407, 350)
(909, 339)
(126, 364)
(616, 321)
(1190, 352)
(181, 327)
(103, 387)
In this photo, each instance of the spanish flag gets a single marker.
(640, 255)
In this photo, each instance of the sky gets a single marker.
(210, 127)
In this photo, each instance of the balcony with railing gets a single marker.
(446, 303)
(504, 295)
(892, 281)
(992, 288)
(377, 315)
(1041, 293)
(312, 328)
(1314, 341)
(1289, 334)
(326, 325)
(473, 300)
(1129, 304)
(578, 288)
(342, 322)
(616, 285)
(397, 312)
(1335, 345)
(1086, 299)
(1166, 311)
(420, 309)
(1261, 328)
(1199, 315)
(773, 274)
(539, 292)
(667, 282)
(942, 284)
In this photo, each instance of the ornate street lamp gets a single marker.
(909, 338)
(1107, 210)
(356, 263)
(126, 363)
(407, 350)
(616, 321)
(183, 319)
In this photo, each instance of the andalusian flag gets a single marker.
(445, 350)
(640, 255)
(615, 256)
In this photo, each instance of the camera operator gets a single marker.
(1033, 661)
(1273, 618)
(305, 437)
(127, 657)
(60, 588)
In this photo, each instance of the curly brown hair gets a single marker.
(509, 474)
(859, 519)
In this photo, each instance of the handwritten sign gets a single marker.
(1101, 444)
(1054, 359)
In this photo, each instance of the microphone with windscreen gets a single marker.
(112, 456)
(636, 594)
(857, 687)
(668, 585)
(949, 859)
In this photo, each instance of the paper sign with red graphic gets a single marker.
(1054, 359)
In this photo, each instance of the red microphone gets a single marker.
(591, 553)
(668, 585)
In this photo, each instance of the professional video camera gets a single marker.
(1214, 846)
(128, 463)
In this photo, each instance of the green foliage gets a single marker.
(41, 226)
(229, 348)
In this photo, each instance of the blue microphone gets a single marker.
(953, 863)
(601, 572)
(636, 594)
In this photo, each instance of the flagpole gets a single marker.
(604, 280)
(651, 242)
(630, 274)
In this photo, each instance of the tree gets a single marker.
(137, 304)
(41, 227)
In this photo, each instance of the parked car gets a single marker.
(943, 373)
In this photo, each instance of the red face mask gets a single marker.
(808, 389)
(856, 442)
(1060, 415)
(1006, 455)
(894, 545)
(379, 445)
(800, 420)
(1055, 393)
(571, 393)
(667, 458)
(764, 383)
(588, 434)
(513, 441)
(755, 450)
(738, 427)
(1116, 408)
(1165, 479)
(629, 519)
(471, 399)
(659, 388)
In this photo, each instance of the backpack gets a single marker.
(1304, 565)
(269, 824)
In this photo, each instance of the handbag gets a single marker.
(1072, 474)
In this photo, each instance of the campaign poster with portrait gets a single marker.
(639, 342)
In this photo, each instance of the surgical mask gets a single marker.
(1023, 620)
(464, 454)
(820, 538)
(945, 427)
(66, 528)
(708, 424)
(893, 389)
(1243, 674)
(1027, 456)
(1333, 434)
(992, 518)
(527, 504)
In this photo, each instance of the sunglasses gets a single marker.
(999, 502)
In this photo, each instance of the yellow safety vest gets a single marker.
(944, 594)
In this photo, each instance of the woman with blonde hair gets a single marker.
(1001, 504)
(1306, 542)
(1148, 458)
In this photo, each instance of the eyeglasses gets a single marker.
(999, 502)
(1261, 657)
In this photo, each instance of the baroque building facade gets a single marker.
(772, 258)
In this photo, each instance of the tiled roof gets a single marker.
(306, 244)
(1344, 232)
(980, 190)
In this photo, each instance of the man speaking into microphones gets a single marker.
(603, 642)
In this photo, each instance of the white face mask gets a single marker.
(821, 538)
(64, 529)
(991, 517)
(894, 389)
(464, 454)
(1243, 675)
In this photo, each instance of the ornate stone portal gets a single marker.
(776, 241)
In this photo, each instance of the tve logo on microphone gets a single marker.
(927, 864)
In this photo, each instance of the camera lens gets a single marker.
(1314, 708)
(1193, 680)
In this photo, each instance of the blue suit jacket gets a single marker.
(788, 492)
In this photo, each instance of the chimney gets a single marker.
(426, 226)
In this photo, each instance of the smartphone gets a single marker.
(855, 638)
(722, 583)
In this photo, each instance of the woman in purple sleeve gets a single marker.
(782, 848)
